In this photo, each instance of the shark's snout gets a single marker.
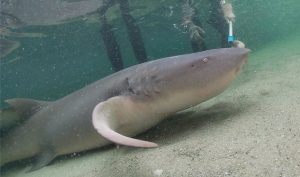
(243, 57)
(244, 53)
(245, 50)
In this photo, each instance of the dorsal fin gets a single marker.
(26, 107)
(20, 110)
(104, 115)
(8, 119)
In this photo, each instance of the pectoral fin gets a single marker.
(108, 114)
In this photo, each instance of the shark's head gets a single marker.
(204, 68)
(190, 79)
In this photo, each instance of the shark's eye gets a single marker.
(205, 60)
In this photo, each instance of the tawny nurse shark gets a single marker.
(119, 106)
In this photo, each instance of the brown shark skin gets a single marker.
(65, 126)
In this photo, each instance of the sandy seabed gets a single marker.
(252, 129)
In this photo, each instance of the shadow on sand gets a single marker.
(165, 133)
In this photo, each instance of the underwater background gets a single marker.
(72, 55)
(252, 129)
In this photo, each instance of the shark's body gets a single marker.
(128, 102)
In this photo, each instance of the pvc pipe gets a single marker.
(230, 35)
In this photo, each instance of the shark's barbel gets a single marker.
(120, 106)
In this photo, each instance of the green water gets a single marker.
(72, 55)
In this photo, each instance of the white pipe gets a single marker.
(230, 28)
